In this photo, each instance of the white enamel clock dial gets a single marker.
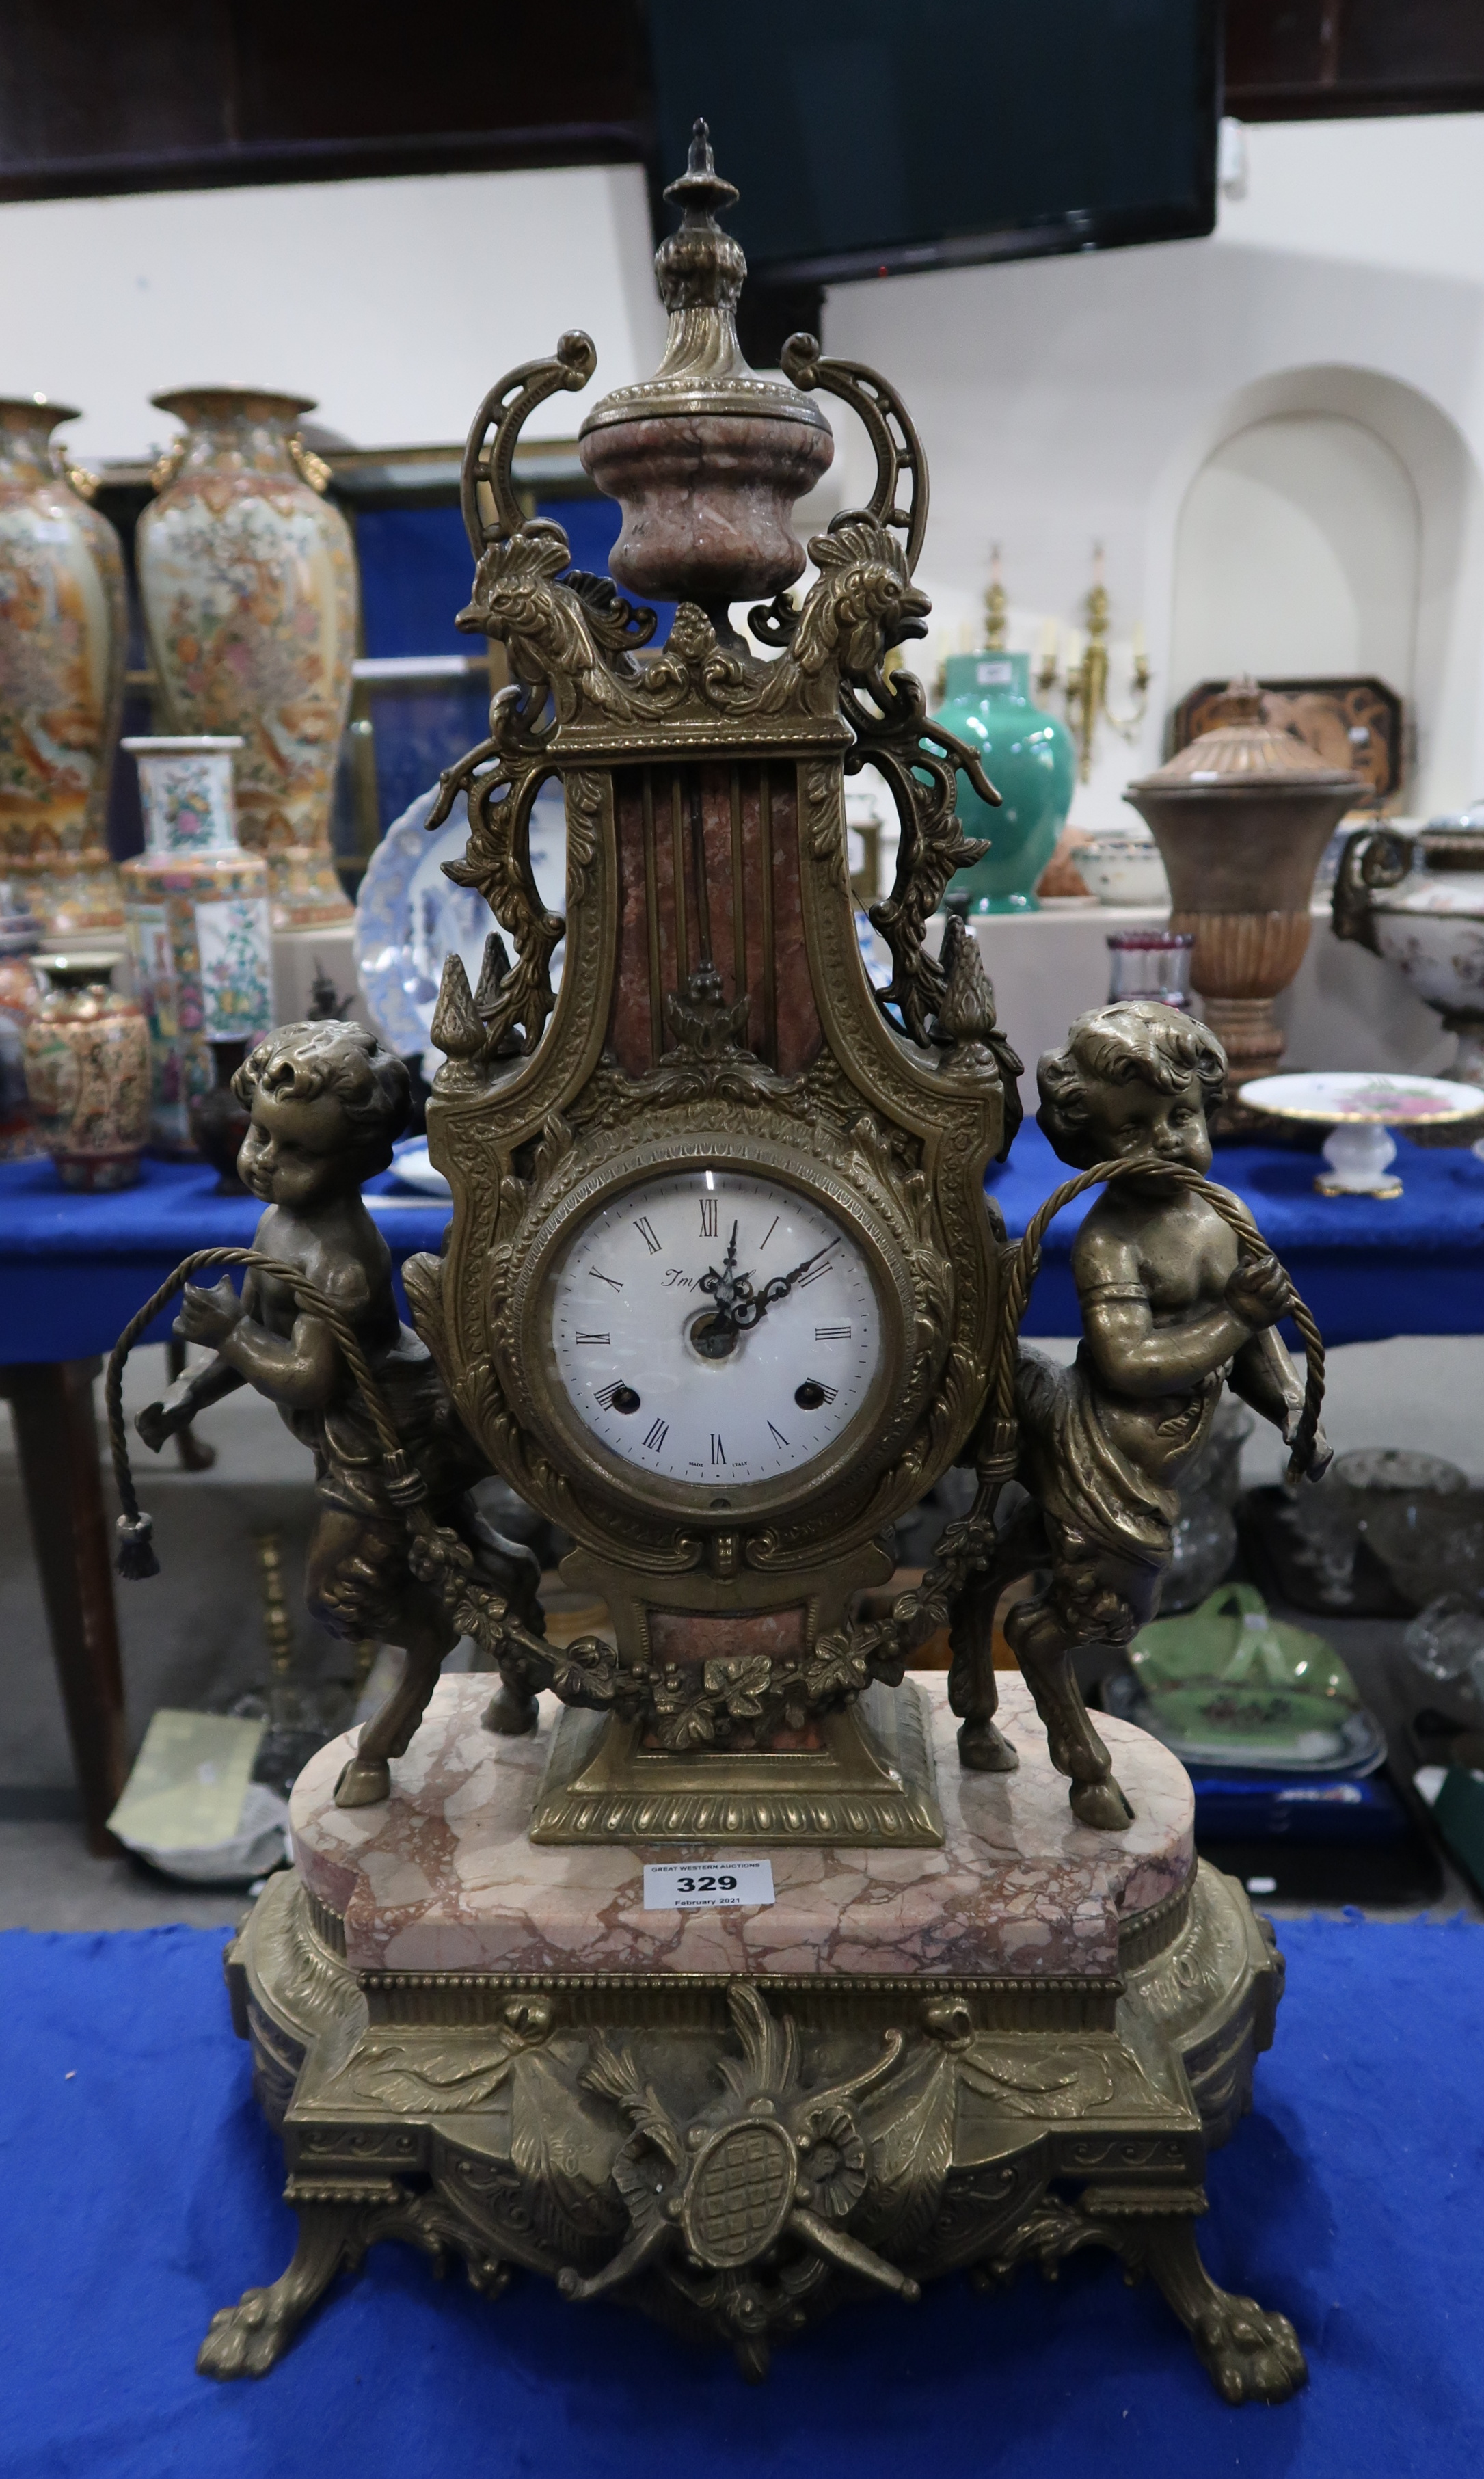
(715, 1328)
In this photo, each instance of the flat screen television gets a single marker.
(877, 137)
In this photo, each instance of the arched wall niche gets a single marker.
(1288, 453)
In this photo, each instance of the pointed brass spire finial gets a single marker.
(712, 526)
(700, 267)
(700, 189)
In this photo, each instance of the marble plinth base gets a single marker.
(442, 1877)
(916, 2062)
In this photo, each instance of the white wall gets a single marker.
(1297, 551)
(1075, 400)
(397, 303)
(1062, 401)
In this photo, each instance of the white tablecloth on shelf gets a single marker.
(1345, 1009)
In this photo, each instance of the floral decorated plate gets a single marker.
(409, 916)
(1331, 1097)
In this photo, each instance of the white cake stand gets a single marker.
(1361, 1106)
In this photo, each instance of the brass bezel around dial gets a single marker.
(868, 1442)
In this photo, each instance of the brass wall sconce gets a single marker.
(1085, 683)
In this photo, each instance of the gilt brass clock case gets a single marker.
(873, 1436)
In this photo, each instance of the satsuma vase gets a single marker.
(62, 629)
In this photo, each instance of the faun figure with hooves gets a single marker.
(1171, 1310)
(327, 1103)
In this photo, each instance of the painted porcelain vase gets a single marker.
(248, 581)
(62, 629)
(87, 1053)
(1029, 759)
(199, 931)
(1419, 901)
(19, 994)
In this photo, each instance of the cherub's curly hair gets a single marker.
(1135, 1041)
(300, 1061)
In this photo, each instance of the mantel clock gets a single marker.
(723, 1296)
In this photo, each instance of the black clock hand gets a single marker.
(723, 1286)
(744, 1309)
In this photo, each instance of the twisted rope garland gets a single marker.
(404, 1485)
(1024, 1263)
(135, 1557)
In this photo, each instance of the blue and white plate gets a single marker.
(412, 1163)
(408, 917)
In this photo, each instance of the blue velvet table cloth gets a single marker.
(1367, 1266)
(73, 1270)
(140, 2191)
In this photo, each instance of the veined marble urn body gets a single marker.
(62, 625)
(705, 458)
(1241, 817)
(248, 581)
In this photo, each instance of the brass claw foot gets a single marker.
(250, 2338)
(1100, 1804)
(984, 1749)
(365, 1780)
(1248, 2353)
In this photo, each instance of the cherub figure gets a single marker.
(328, 1102)
(1170, 1311)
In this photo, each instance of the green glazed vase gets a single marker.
(1029, 759)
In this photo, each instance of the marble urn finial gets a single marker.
(705, 458)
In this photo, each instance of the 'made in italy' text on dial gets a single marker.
(715, 1327)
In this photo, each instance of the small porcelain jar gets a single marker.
(86, 1054)
(199, 931)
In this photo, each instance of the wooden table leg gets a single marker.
(57, 1438)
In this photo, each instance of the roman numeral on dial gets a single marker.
(645, 1231)
(656, 1435)
(708, 1209)
(821, 1334)
(594, 1337)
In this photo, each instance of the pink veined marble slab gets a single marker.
(442, 1877)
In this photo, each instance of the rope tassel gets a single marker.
(134, 1556)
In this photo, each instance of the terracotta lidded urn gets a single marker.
(705, 458)
(1241, 817)
(87, 1052)
(63, 627)
(199, 932)
(247, 579)
(1419, 901)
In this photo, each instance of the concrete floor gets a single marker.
(193, 1635)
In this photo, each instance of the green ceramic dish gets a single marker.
(1230, 1680)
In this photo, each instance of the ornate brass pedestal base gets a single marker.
(871, 1781)
(740, 2157)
